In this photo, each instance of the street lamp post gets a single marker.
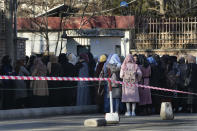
(15, 29)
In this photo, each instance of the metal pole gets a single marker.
(15, 30)
(9, 29)
(110, 97)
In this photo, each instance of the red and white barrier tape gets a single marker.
(154, 88)
(53, 78)
(87, 79)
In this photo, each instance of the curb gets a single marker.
(48, 111)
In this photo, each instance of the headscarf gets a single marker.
(72, 58)
(151, 60)
(40, 66)
(6, 60)
(53, 59)
(62, 59)
(105, 65)
(84, 56)
(115, 59)
(181, 60)
(102, 58)
(129, 59)
(191, 59)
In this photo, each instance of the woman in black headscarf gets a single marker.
(68, 93)
(7, 94)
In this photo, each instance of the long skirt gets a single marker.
(83, 93)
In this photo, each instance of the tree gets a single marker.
(181, 8)
(31, 8)
(40, 21)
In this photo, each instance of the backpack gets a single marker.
(130, 73)
(113, 73)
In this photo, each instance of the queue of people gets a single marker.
(158, 71)
(154, 70)
(35, 93)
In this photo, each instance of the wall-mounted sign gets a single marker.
(94, 32)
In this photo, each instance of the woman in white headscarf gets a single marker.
(113, 68)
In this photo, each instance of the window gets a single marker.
(118, 50)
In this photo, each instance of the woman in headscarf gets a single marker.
(21, 90)
(183, 72)
(30, 68)
(113, 68)
(54, 70)
(130, 73)
(136, 58)
(30, 63)
(7, 94)
(83, 91)
(157, 79)
(100, 65)
(99, 72)
(191, 83)
(91, 67)
(40, 87)
(106, 99)
(68, 94)
(145, 93)
(72, 58)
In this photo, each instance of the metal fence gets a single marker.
(166, 33)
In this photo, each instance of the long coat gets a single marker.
(115, 76)
(83, 91)
(130, 93)
(21, 91)
(145, 93)
(40, 87)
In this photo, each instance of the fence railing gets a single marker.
(166, 33)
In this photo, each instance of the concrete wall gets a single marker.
(36, 43)
(98, 45)
(104, 44)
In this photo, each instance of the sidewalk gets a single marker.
(48, 111)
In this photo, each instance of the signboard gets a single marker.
(94, 32)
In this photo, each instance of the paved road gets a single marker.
(75, 123)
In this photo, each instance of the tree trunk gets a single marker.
(47, 45)
(9, 29)
(58, 37)
(161, 6)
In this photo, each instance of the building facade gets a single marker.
(98, 36)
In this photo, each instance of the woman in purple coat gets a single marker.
(145, 93)
(130, 73)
